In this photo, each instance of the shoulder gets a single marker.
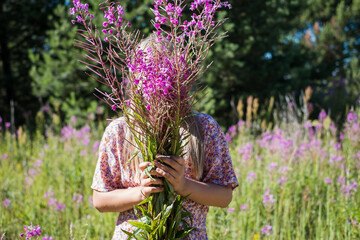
(208, 124)
(116, 124)
(115, 127)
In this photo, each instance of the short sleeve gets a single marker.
(218, 166)
(107, 176)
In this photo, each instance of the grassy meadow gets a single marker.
(297, 181)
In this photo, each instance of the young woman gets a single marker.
(205, 174)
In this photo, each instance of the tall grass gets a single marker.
(296, 182)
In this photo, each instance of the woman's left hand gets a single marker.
(174, 172)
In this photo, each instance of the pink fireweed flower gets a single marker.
(282, 180)
(85, 141)
(328, 180)
(90, 200)
(337, 146)
(231, 210)
(52, 202)
(351, 117)
(232, 129)
(272, 166)
(322, 115)
(268, 200)
(60, 206)
(268, 197)
(157, 25)
(335, 158)
(31, 231)
(267, 230)
(228, 138)
(78, 198)
(48, 194)
(47, 238)
(341, 180)
(7, 203)
(4, 156)
(349, 189)
(96, 145)
(244, 207)
(7, 125)
(73, 119)
(251, 177)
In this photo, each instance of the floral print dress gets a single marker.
(112, 172)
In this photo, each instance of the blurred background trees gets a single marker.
(273, 48)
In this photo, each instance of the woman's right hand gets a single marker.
(147, 184)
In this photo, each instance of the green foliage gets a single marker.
(58, 76)
(305, 205)
(278, 47)
(22, 26)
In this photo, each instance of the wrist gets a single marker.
(139, 194)
(184, 191)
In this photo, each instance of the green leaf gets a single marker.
(133, 156)
(141, 225)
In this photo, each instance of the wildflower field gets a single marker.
(297, 181)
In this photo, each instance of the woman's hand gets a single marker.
(146, 183)
(173, 170)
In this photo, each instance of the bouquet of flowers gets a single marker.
(151, 82)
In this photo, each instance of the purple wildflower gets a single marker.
(47, 238)
(60, 206)
(251, 177)
(272, 166)
(52, 202)
(95, 146)
(322, 115)
(231, 210)
(328, 180)
(31, 231)
(267, 230)
(47, 194)
(268, 198)
(6, 203)
(351, 117)
(282, 180)
(349, 189)
(73, 119)
(78, 198)
(7, 125)
(244, 207)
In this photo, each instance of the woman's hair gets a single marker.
(195, 154)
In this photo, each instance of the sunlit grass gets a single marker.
(295, 183)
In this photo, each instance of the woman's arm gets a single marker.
(204, 193)
(120, 200)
